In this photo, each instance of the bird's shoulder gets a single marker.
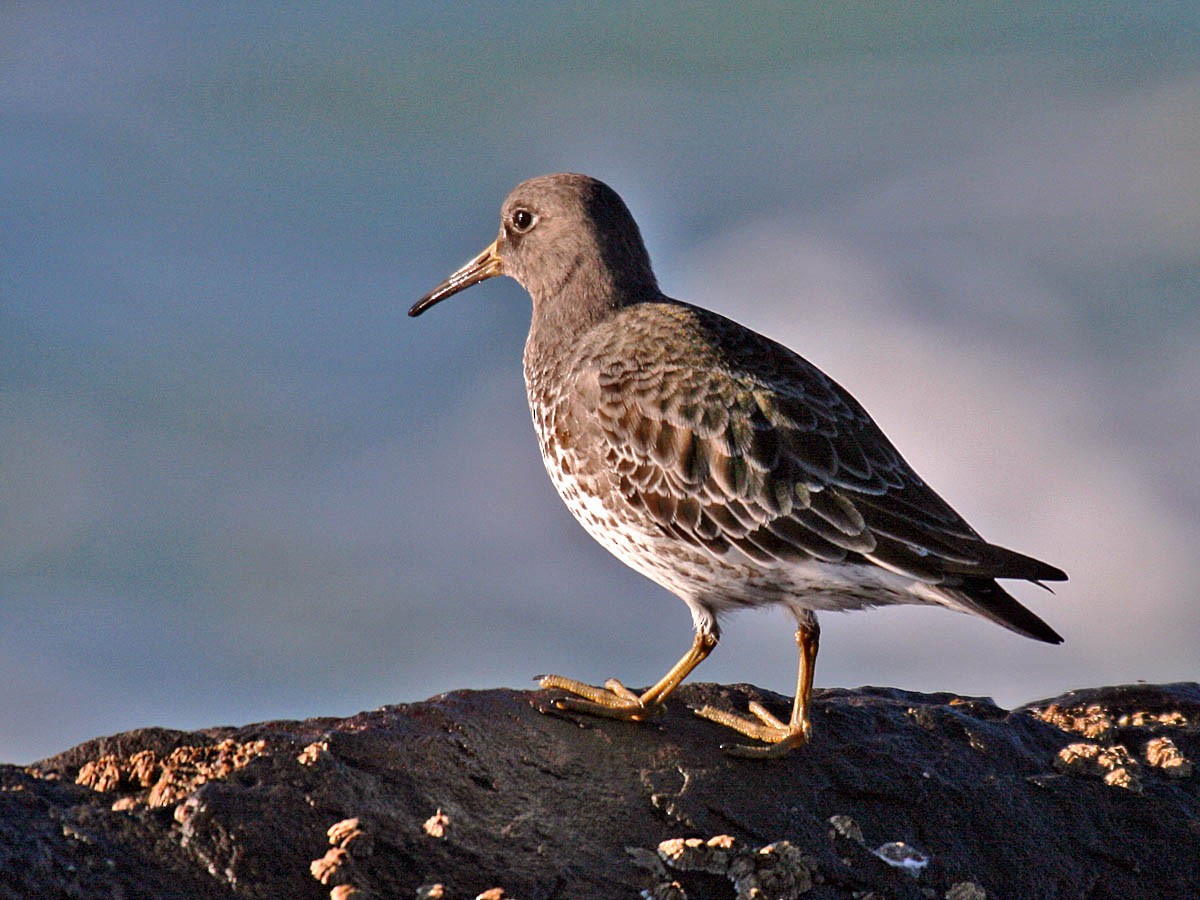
(673, 366)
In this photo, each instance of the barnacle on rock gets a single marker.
(313, 753)
(778, 870)
(348, 842)
(1113, 764)
(436, 825)
(1162, 753)
(1092, 721)
(170, 779)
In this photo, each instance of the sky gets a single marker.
(238, 483)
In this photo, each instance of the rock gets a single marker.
(497, 794)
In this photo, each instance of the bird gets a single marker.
(715, 461)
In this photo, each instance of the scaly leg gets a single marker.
(615, 701)
(766, 727)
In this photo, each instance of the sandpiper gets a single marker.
(716, 461)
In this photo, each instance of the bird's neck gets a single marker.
(564, 312)
(561, 324)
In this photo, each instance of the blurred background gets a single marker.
(238, 483)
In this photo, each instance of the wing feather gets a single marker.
(756, 449)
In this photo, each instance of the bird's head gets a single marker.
(565, 238)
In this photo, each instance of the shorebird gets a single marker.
(715, 461)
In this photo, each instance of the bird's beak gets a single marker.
(486, 265)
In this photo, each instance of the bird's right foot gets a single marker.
(780, 737)
(613, 701)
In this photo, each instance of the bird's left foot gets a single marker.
(613, 701)
(780, 737)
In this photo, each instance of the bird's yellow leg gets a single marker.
(781, 738)
(615, 701)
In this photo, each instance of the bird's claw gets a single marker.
(780, 738)
(613, 701)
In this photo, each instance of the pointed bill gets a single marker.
(486, 265)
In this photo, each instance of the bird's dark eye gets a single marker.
(522, 220)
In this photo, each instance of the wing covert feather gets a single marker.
(757, 449)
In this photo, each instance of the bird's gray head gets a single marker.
(567, 239)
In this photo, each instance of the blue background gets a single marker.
(237, 483)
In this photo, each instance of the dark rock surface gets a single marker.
(478, 790)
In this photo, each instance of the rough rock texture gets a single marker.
(479, 794)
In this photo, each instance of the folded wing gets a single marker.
(760, 451)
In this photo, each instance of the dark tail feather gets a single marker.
(1011, 564)
(984, 597)
(1000, 562)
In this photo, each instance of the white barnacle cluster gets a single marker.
(349, 843)
(1103, 757)
(777, 870)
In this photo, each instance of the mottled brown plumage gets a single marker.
(714, 460)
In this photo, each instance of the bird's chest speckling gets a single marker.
(575, 453)
(578, 459)
(571, 444)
